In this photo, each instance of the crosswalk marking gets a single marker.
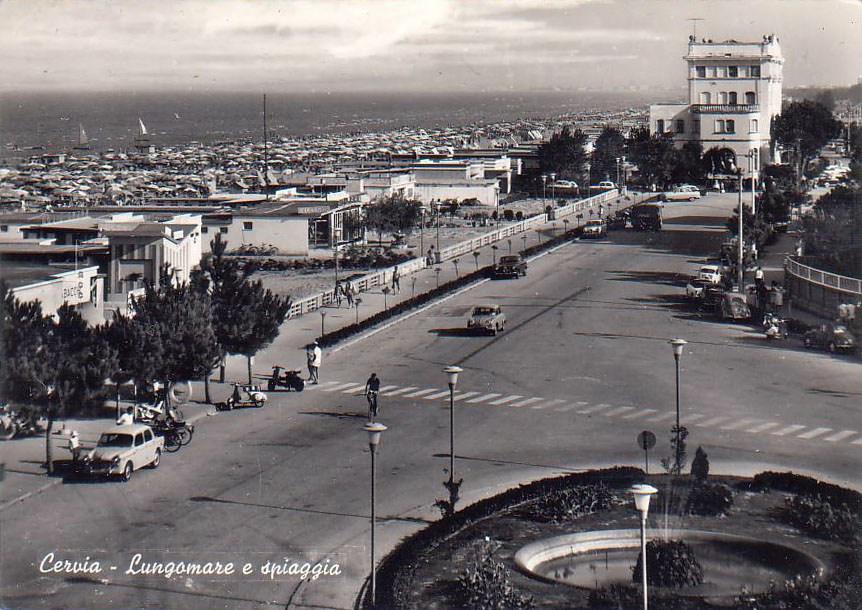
(357, 390)
(840, 436)
(464, 395)
(483, 398)
(788, 429)
(711, 422)
(399, 391)
(594, 408)
(687, 419)
(740, 423)
(641, 413)
(763, 427)
(437, 395)
(340, 387)
(662, 417)
(571, 406)
(550, 403)
(309, 386)
(507, 399)
(420, 393)
(617, 411)
(525, 402)
(815, 432)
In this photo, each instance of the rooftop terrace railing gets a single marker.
(725, 108)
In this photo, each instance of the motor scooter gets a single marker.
(244, 395)
(773, 327)
(290, 379)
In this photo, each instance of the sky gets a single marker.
(406, 45)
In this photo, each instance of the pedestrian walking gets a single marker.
(75, 445)
(430, 258)
(315, 356)
(339, 294)
(396, 280)
(348, 293)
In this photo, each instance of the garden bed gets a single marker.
(428, 569)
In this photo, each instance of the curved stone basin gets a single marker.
(599, 558)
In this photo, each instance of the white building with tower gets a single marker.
(734, 91)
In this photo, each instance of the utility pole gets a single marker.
(265, 148)
(740, 241)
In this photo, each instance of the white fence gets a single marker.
(850, 285)
(383, 276)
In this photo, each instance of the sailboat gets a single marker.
(83, 140)
(142, 140)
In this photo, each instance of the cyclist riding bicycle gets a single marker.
(372, 388)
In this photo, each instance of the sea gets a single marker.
(52, 120)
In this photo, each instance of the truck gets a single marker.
(646, 216)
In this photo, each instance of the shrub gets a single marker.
(671, 563)
(815, 515)
(508, 215)
(700, 465)
(486, 585)
(519, 215)
(709, 500)
(567, 504)
(808, 486)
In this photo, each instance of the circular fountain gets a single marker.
(599, 558)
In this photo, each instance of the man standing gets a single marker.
(315, 356)
(396, 280)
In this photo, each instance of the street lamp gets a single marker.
(509, 241)
(544, 181)
(385, 292)
(677, 345)
(437, 214)
(437, 270)
(565, 225)
(494, 249)
(642, 494)
(374, 431)
(752, 168)
(741, 244)
(553, 177)
(452, 378)
(455, 262)
(476, 258)
(357, 300)
(524, 240)
(618, 172)
(322, 326)
(624, 175)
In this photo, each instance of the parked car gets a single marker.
(734, 306)
(834, 337)
(605, 185)
(123, 449)
(710, 273)
(487, 318)
(684, 192)
(511, 265)
(646, 216)
(595, 228)
(695, 289)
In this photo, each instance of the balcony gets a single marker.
(725, 108)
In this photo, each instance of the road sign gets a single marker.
(646, 440)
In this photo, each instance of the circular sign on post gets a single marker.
(646, 440)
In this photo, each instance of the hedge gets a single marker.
(395, 574)
(807, 486)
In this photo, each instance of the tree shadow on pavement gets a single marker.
(336, 414)
(455, 332)
(707, 221)
(666, 278)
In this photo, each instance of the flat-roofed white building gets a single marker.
(55, 286)
(734, 91)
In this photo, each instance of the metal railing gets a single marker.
(383, 276)
(724, 108)
(850, 285)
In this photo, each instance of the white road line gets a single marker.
(309, 386)
(340, 387)
(594, 408)
(436, 395)
(815, 432)
(858, 441)
(763, 427)
(617, 411)
(840, 436)
(690, 418)
(400, 391)
(740, 423)
(525, 402)
(641, 413)
(550, 403)
(420, 393)
(502, 401)
(464, 395)
(663, 416)
(574, 405)
(357, 390)
(788, 430)
(483, 398)
(711, 422)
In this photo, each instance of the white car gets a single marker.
(123, 449)
(595, 229)
(710, 273)
(488, 318)
(686, 192)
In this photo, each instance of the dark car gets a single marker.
(510, 265)
(834, 337)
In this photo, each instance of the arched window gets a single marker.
(719, 126)
(754, 126)
(732, 98)
(705, 97)
(730, 126)
(750, 97)
(722, 97)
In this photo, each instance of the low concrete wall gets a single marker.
(818, 291)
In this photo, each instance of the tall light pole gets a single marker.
(752, 168)
(678, 345)
(422, 230)
(452, 378)
(544, 181)
(437, 214)
(740, 266)
(553, 177)
(322, 325)
(623, 191)
(618, 172)
(642, 494)
(374, 431)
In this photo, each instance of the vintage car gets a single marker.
(510, 265)
(734, 306)
(595, 229)
(710, 273)
(488, 318)
(834, 337)
(695, 289)
(123, 449)
(684, 192)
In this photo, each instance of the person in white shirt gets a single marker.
(127, 418)
(315, 357)
(75, 445)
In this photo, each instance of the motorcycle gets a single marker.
(772, 327)
(18, 423)
(244, 395)
(290, 379)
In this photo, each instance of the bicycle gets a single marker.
(371, 396)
